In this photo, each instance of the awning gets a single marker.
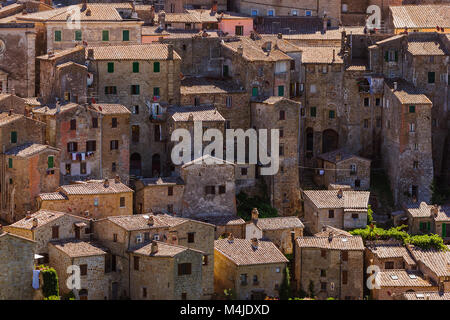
(80, 224)
(38, 256)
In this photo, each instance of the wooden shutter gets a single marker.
(386, 56)
(156, 67)
(344, 277)
(135, 67)
(444, 230)
(50, 162)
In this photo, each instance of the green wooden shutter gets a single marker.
(135, 67)
(50, 162)
(313, 111)
(78, 35)
(412, 109)
(444, 230)
(10, 162)
(254, 92)
(280, 91)
(156, 67)
(126, 35)
(156, 91)
(105, 35)
(386, 56)
(396, 56)
(13, 137)
(57, 35)
(110, 67)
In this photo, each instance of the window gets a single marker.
(355, 216)
(412, 109)
(184, 269)
(239, 30)
(55, 232)
(122, 202)
(391, 56)
(205, 260)
(68, 168)
(281, 132)
(270, 12)
(144, 292)
(308, 13)
(91, 145)
(57, 35)
(135, 67)
(366, 123)
(184, 296)
(125, 35)
(105, 35)
(73, 124)
(10, 163)
(282, 115)
(82, 167)
(229, 101)
(94, 122)
(78, 35)
(254, 12)
(136, 263)
(357, 183)
(156, 91)
(110, 67)
(156, 66)
(113, 167)
(323, 253)
(50, 162)
(344, 255)
(352, 168)
(330, 214)
(295, 13)
(412, 127)
(170, 208)
(254, 92)
(136, 109)
(110, 90)
(344, 277)
(280, 91)
(135, 89)
(323, 286)
(366, 102)
(281, 149)
(13, 136)
(431, 77)
(72, 147)
(83, 269)
(377, 102)
(244, 171)
(114, 144)
(323, 272)
(210, 190)
(313, 112)
(415, 164)
(114, 123)
(115, 237)
(243, 278)
(222, 189)
(255, 280)
(196, 101)
(191, 237)
(170, 191)
(331, 114)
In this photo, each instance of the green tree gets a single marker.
(285, 288)
(50, 286)
(312, 294)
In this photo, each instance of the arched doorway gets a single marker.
(156, 165)
(330, 140)
(309, 139)
(135, 164)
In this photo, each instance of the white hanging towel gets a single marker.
(36, 279)
(74, 156)
(83, 156)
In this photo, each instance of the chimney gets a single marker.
(58, 106)
(10, 112)
(154, 248)
(35, 223)
(86, 213)
(325, 22)
(395, 86)
(334, 56)
(230, 238)
(162, 19)
(255, 214)
(240, 50)
(338, 156)
(170, 52)
(50, 53)
(88, 12)
(28, 216)
(106, 183)
(117, 179)
(150, 221)
(214, 6)
(435, 210)
(330, 236)
(280, 36)
(254, 243)
(340, 193)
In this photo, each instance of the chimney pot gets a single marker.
(330, 236)
(255, 243)
(230, 238)
(106, 183)
(340, 193)
(35, 222)
(255, 214)
(117, 179)
(151, 221)
(154, 248)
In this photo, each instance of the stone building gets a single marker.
(339, 167)
(90, 258)
(94, 139)
(126, 234)
(91, 199)
(14, 103)
(152, 73)
(159, 195)
(159, 265)
(283, 186)
(31, 169)
(212, 195)
(425, 219)
(426, 295)
(226, 225)
(388, 255)
(16, 269)
(253, 269)
(94, 23)
(336, 208)
(44, 226)
(277, 230)
(332, 266)
(406, 146)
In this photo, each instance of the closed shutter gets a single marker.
(13, 137)
(444, 230)
(135, 67)
(255, 92)
(77, 35)
(280, 91)
(126, 35)
(50, 162)
(156, 67)
(105, 35)
(386, 56)
(110, 67)
(58, 35)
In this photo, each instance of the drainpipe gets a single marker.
(129, 265)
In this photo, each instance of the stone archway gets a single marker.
(135, 164)
(330, 140)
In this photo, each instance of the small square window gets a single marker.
(191, 237)
(122, 202)
(170, 191)
(222, 189)
(105, 35)
(126, 35)
(412, 109)
(83, 269)
(156, 67)
(330, 214)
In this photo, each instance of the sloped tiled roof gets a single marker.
(326, 230)
(331, 34)
(153, 51)
(106, 108)
(164, 250)
(224, 220)
(241, 252)
(199, 113)
(162, 181)
(401, 278)
(321, 54)
(43, 216)
(76, 248)
(407, 93)
(252, 50)
(336, 243)
(333, 156)
(29, 149)
(390, 249)
(329, 199)
(94, 187)
(53, 196)
(427, 295)
(201, 85)
(61, 53)
(279, 223)
(424, 44)
(5, 118)
(52, 111)
(140, 221)
(423, 210)
(421, 16)
(437, 261)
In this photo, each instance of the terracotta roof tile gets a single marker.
(321, 54)
(279, 223)
(29, 149)
(437, 261)
(336, 243)
(43, 216)
(390, 249)
(401, 278)
(94, 187)
(53, 196)
(334, 231)
(427, 295)
(76, 248)
(5, 118)
(329, 199)
(199, 113)
(407, 93)
(105, 108)
(338, 156)
(164, 250)
(420, 16)
(61, 53)
(225, 220)
(154, 51)
(241, 252)
(200, 85)
(253, 51)
(162, 181)
(141, 221)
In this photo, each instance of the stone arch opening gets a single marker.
(135, 164)
(330, 140)
(156, 165)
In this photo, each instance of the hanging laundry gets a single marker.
(74, 156)
(83, 156)
(36, 279)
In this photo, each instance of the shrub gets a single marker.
(52, 298)
(50, 279)
(285, 288)
(245, 205)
